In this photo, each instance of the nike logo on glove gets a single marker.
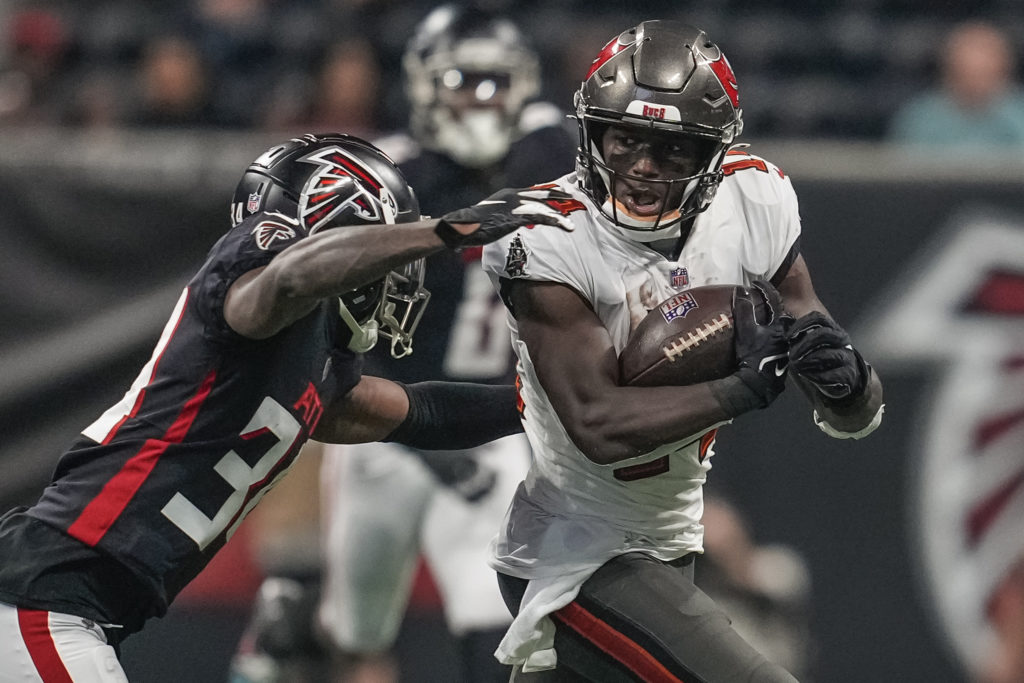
(780, 368)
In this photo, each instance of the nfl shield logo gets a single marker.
(679, 278)
(678, 306)
(253, 204)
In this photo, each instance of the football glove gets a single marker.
(502, 213)
(820, 352)
(761, 352)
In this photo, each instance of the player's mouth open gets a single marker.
(643, 201)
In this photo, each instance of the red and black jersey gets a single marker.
(162, 479)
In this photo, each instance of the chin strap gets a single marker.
(364, 337)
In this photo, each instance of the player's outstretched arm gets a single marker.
(843, 388)
(264, 301)
(577, 365)
(424, 415)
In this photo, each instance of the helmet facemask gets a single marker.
(402, 306)
(622, 197)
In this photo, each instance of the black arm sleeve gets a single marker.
(455, 415)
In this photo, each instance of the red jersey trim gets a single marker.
(103, 510)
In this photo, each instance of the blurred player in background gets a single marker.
(764, 588)
(262, 352)
(596, 555)
(471, 80)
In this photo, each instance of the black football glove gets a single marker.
(502, 213)
(761, 349)
(820, 352)
(460, 472)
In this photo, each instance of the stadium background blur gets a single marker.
(124, 126)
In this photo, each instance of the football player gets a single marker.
(596, 555)
(471, 80)
(262, 351)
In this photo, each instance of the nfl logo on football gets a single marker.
(253, 205)
(678, 278)
(678, 306)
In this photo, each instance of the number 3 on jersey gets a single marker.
(249, 483)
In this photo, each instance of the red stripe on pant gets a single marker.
(35, 631)
(615, 644)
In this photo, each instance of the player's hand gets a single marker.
(761, 349)
(820, 352)
(502, 213)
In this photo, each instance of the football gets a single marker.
(686, 339)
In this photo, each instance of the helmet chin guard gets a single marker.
(668, 77)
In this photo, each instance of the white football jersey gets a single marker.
(571, 512)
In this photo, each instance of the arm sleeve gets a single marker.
(457, 415)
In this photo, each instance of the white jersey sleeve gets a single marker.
(764, 206)
(545, 254)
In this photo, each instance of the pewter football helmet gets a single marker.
(667, 76)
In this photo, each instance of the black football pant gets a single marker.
(640, 619)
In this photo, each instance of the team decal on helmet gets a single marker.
(727, 78)
(614, 47)
(341, 184)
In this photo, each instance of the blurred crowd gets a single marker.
(836, 70)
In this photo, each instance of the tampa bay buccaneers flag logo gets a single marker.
(343, 186)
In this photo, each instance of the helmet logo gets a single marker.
(614, 47)
(253, 205)
(342, 184)
(662, 112)
(723, 72)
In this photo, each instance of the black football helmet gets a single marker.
(666, 76)
(335, 180)
(468, 75)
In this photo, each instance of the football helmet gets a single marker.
(331, 181)
(662, 76)
(468, 75)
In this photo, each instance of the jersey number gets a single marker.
(479, 347)
(249, 483)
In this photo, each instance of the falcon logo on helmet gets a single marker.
(342, 185)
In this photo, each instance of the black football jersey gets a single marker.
(162, 479)
(464, 335)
